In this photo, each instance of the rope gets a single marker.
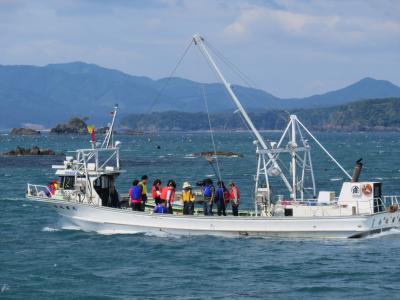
(161, 91)
(211, 132)
(245, 79)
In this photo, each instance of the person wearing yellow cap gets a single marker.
(187, 199)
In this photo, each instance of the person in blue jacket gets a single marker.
(160, 208)
(135, 195)
(208, 196)
(220, 198)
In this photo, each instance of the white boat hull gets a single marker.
(113, 220)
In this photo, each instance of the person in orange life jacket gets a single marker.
(208, 196)
(143, 186)
(220, 197)
(135, 194)
(234, 197)
(187, 199)
(156, 191)
(160, 208)
(168, 194)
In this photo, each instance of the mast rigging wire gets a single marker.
(212, 134)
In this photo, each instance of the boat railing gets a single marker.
(37, 190)
(391, 200)
(100, 157)
(385, 203)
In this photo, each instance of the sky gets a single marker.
(288, 48)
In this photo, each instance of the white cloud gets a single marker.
(256, 20)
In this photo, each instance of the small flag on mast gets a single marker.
(90, 129)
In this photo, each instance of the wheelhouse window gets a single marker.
(67, 182)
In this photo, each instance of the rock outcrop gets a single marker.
(24, 131)
(35, 150)
(74, 126)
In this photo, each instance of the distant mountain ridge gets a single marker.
(363, 115)
(52, 94)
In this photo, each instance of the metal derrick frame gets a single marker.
(265, 151)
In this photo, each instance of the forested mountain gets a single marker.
(375, 114)
(52, 94)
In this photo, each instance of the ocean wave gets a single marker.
(50, 229)
(4, 288)
(336, 179)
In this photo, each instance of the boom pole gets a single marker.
(199, 41)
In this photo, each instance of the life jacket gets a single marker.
(154, 191)
(187, 196)
(49, 190)
(144, 188)
(232, 193)
(226, 194)
(207, 191)
(159, 209)
(164, 194)
(52, 189)
(135, 193)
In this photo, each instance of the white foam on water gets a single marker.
(336, 179)
(4, 288)
(113, 232)
(393, 231)
(162, 234)
(50, 229)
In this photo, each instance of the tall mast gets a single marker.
(110, 131)
(199, 41)
(293, 146)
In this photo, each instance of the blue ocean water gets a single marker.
(43, 257)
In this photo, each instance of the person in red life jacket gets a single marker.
(135, 194)
(234, 197)
(143, 186)
(220, 198)
(208, 196)
(168, 194)
(156, 191)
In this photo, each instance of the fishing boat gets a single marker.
(88, 196)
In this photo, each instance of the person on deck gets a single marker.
(187, 199)
(208, 196)
(156, 191)
(221, 196)
(160, 208)
(55, 185)
(143, 186)
(234, 197)
(49, 190)
(135, 194)
(168, 194)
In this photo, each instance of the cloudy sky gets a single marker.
(288, 48)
